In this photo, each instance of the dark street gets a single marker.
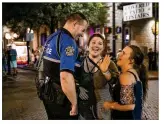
(20, 101)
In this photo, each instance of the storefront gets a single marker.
(21, 49)
(138, 22)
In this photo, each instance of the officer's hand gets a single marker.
(74, 110)
(83, 95)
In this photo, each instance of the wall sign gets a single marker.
(137, 11)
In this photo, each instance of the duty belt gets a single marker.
(54, 83)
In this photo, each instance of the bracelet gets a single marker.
(107, 72)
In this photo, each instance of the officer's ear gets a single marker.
(74, 23)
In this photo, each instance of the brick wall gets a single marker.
(141, 33)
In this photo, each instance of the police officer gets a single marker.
(59, 68)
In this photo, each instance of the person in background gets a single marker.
(4, 61)
(118, 53)
(13, 62)
(113, 58)
(131, 90)
(151, 58)
(8, 59)
(32, 57)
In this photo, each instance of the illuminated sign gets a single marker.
(137, 11)
(21, 49)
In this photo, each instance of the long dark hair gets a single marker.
(141, 69)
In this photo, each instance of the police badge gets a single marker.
(69, 51)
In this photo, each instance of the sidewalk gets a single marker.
(153, 75)
(27, 67)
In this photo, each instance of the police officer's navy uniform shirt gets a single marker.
(62, 56)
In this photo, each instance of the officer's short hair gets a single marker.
(76, 16)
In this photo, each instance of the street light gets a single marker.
(8, 37)
(155, 30)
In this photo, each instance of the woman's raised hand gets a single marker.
(104, 64)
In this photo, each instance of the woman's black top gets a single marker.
(128, 94)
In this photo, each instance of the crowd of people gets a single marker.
(90, 87)
(9, 60)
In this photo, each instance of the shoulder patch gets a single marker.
(69, 51)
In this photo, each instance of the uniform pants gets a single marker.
(86, 111)
(58, 112)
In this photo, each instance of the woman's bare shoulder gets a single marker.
(126, 78)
